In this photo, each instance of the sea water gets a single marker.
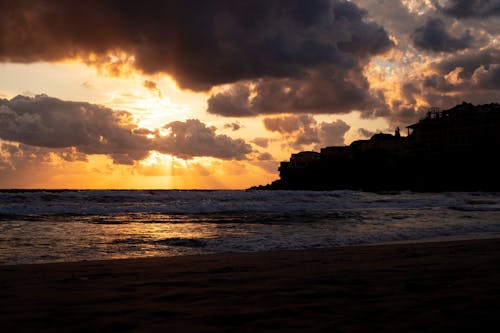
(52, 226)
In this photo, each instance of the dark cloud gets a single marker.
(193, 138)
(405, 114)
(433, 36)
(394, 15)
(152, 86)
(332, 134)
(16, 157)
(292, 56)
(408, 91)
(233, 126)
(265, 157)
(48, 122)
(437, 82)
(283, 56)
(331, 90)
(308, 135)
(288, 124)
(304, 130)
(336, 85)
(235, 102)
(471, 8)
(471, 75)
(462, 59)
(477, 76)
(261, 142)
(19, 156)
(488, 77)
(200, 43)
(469, 62)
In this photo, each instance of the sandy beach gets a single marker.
(423, 287)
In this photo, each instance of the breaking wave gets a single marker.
(42, 226)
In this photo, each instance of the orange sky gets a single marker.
(204, 117)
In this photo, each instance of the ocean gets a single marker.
(54, 226)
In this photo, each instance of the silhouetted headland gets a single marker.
(450, 150)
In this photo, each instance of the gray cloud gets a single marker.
(438, 82)
(433, 36)
(470, 8)
(297, 55)
(304, 130)
(48, 122)
(284, 56)
(403, 114)
(451, 77)
(261, 142)
(265, 157)
(332, 134)
(336, 85)
(288, 124)
(193, 138)
(200, 43)
(233, 126)
(19, 156)
(487, 77)
(471, 75)
(329, 91)
(469, 62)
(153, 87)
(477, 73)
(394, 15)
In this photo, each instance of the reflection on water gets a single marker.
(88, 225)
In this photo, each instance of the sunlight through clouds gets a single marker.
(150, 109)
(196, 86)
(419, 7)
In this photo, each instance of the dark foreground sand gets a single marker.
(428, 287)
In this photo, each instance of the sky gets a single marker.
(186, 94)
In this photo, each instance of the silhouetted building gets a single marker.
(464, 126)
(304, 159)
(454, 149)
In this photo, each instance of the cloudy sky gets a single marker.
(213, 94)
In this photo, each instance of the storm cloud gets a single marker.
(270, 57)
(487, 77)
(468, 62)
(47, 122)
(283, 56)
(328, 91)
(471, 8)
(473, 76)
(335, 85)
(200, 43)
(433, 36)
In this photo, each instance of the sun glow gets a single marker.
(151, 110)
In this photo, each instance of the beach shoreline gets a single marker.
(404, 287)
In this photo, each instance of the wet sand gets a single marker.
(423, 287)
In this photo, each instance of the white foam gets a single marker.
(78, 225)
(193, 202)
